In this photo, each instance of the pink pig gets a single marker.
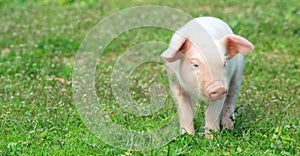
(205, 60)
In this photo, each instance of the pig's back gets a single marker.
(214, 26)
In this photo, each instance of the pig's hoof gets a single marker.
(227, 123)
(188, 131)
(209, 133)
(209, 136)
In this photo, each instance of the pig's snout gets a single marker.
(216, 91)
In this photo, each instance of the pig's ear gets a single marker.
(176, 44)
(234, 44)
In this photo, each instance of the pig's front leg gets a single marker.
(212, 116)
(234, 86)
(183, 101)
(228, 112)
(228, 108)
(185, 112)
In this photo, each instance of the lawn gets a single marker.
(39, 42)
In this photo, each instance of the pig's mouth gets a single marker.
(207, 98)
(204, 97)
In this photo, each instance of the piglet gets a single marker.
(205, 60)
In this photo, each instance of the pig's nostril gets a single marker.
(214, 93)
(218, 93)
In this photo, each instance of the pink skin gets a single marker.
(189, 75)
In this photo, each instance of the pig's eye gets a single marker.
(195, 65)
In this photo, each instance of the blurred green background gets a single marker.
(39, 40)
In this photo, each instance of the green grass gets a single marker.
(39, 42)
